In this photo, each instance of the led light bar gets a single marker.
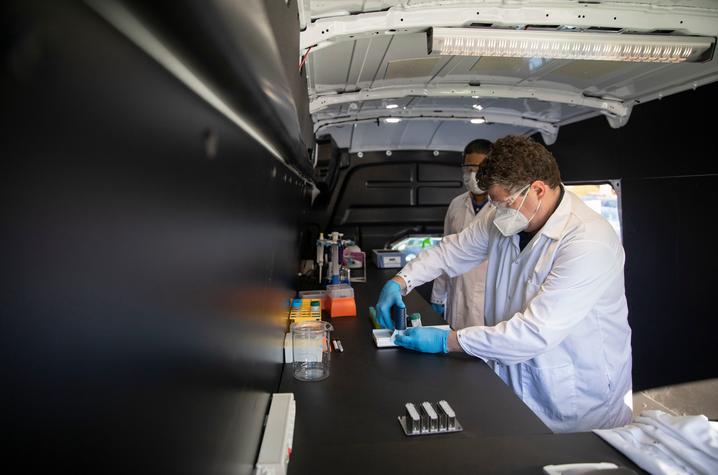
(569, 45)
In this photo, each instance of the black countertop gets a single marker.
(347, 423)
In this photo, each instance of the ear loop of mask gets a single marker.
(537, 207)
(527, 189)
(518, 210)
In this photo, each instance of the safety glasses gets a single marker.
(508, 201)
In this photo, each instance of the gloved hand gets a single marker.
(390, 295)
(424, 339)
(438, 308)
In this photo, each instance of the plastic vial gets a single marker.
(415, 320)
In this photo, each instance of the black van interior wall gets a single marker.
(148, 250)
(378, 198)
(665, 157)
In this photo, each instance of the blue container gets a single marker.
(398, 315)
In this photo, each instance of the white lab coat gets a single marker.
(463, 295)
(557, 330)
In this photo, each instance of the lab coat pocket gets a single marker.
(550, 391)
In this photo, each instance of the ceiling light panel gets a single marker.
(569, 45)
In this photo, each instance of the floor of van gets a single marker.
(699, 397)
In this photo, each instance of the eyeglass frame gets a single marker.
(505, 203)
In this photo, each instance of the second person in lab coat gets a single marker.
(556, 316)
(461, 299)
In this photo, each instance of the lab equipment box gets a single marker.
(335, 291)
(388, 258)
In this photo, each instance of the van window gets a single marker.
(603, 197)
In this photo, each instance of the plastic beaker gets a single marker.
(310, 349)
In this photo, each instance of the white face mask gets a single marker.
(510, 221)
(470, 183)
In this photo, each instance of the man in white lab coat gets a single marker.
(556, 316)
(461, 299)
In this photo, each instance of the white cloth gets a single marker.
(664, 444)
(463, 295)
(557, 329)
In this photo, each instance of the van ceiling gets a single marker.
(367, 61)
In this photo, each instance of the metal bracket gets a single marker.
(613, 106)
(549, 138)
(546, 128)
(618, 121)
(402, 19)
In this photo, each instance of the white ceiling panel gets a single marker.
(403, 47)
(330, 69)
(382, 136)
(593, 76)
(372, 55)
(412, 68)
(455, 135)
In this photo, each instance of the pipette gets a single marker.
(320, 255)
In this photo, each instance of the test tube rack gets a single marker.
(428, 419)
(308, 309)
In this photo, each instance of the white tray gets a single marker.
(383, 337)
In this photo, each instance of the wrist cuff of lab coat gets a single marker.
(461, 335)
(438, 300)
(409, 282)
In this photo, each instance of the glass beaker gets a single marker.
(310, 349)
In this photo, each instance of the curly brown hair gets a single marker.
(516, 161)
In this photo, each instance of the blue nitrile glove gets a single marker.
(390, 295)
(424, 339)
(438, 308)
